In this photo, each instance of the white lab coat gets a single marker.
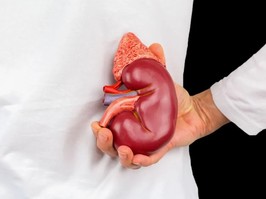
(241, 96)
(55, 57)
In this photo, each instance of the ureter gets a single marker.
(118, 106)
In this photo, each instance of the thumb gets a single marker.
(157, 50)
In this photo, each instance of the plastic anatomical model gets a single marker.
(142, 103)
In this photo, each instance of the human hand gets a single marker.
(197, 117)
(186, 132)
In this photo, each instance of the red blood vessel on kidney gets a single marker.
(142, 103)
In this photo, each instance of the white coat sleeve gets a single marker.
(241, 96)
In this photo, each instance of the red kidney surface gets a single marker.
(152, 123)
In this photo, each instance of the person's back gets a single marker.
(54, 59)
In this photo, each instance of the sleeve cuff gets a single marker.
(223, 101)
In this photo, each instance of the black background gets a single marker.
(224, 34)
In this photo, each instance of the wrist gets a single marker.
(211, 117)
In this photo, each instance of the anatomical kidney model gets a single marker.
(142, 104)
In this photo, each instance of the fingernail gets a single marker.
(136, 166)
(122, 156)
(136, 163)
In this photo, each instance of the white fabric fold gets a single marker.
(55, 57)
